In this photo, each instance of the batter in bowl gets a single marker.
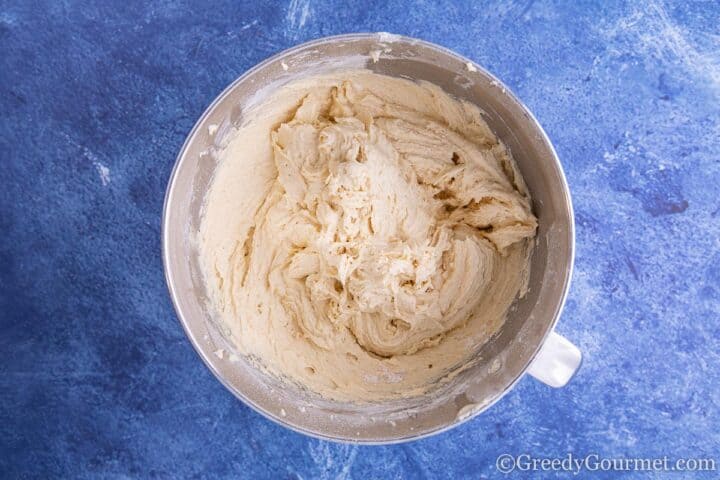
(364, 235)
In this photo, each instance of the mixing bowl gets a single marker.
(525, 344)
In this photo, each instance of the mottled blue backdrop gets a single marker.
(97, 378)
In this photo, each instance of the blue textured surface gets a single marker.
(97, 377)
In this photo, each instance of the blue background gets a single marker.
(97, 378)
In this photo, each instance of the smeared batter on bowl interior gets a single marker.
(364, 235)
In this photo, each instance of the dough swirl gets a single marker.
(364, 234)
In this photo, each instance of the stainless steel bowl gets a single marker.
(526, 342)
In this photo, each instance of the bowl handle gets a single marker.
(556, 362)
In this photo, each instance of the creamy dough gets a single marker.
(364, 235)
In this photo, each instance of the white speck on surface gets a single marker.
(233, 357)
(297, 14)
(102, 170)
(283, 412)
(220, 353)
(249, 25)
(212, 129)
(104, 173)
(375, 55)
(470, 67)
(302, 409)
(495, 366)
(284, 66)
(388, 37)
(467, 411)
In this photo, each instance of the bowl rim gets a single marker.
(169, 274)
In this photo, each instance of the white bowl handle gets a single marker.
(557, 361)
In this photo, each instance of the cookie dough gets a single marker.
(364, 235)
